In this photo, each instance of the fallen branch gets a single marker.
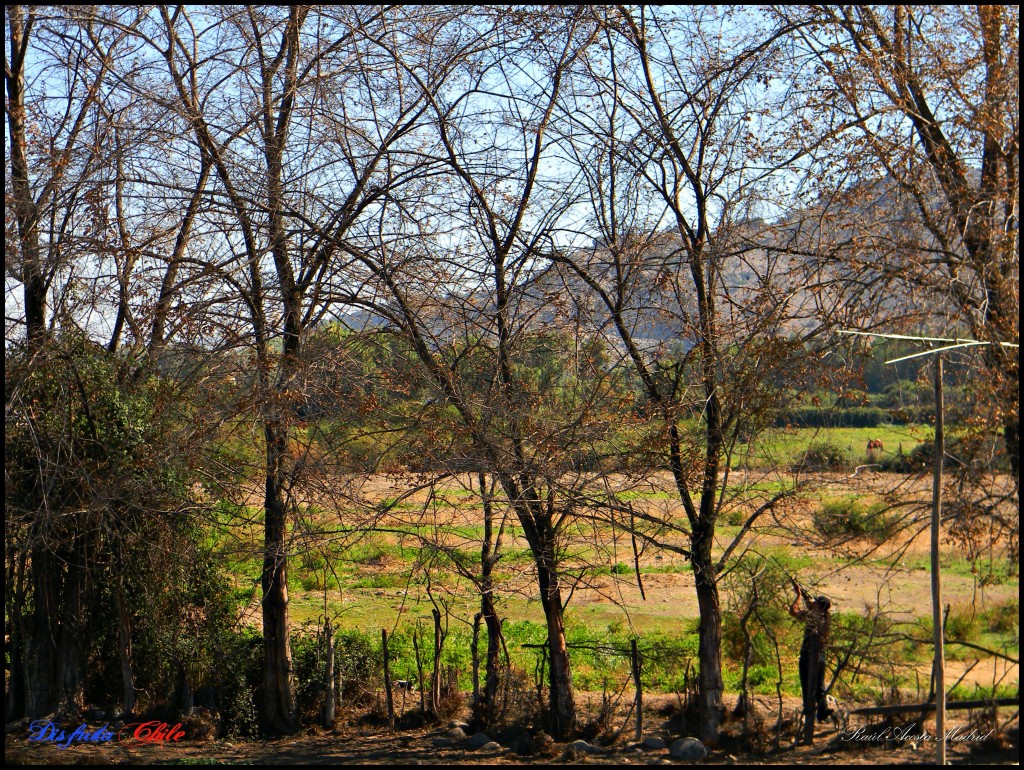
(929, 707)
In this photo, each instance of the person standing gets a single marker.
(817, 621)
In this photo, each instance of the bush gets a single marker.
(918, 461)
(360, 662)
(922, 458)
(101, 463)
(822, 456)
(516, 708)
(452, 700)
(240, 668)
(819, 417)
(1004, 618)
(847, 518)
(308, 661)
(962, 623)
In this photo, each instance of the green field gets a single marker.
(782, 448)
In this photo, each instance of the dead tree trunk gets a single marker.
(435, 677)
(635, 661)
(419, 666)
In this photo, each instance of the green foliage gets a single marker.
(237, 674)
(848, 518)
(756, 588)
(822, 456)
(962, 623)
(360, 661)
(309, 650)
(100, 465)
(667, 657)
(1003, 617)
(851, 417)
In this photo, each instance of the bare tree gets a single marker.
(58, 79)
(291, 187)
(469, 299)
(928, 96)
(668, 130)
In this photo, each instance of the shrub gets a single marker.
(733, 517)
(515, 705)
(822, 456)
(922, 458)
(308, 662)
(1004, 618)
(846, 518)
(452, 700)
(240, 670)
(99, 500)
(360, 662)
(818, 417)
(962, 623)
(918, 460)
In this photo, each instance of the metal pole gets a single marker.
(940, 658)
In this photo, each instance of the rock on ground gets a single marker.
(687, 749)
(478, 741)
(582, 747)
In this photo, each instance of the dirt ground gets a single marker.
(859, 743)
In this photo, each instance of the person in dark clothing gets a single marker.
(817, 620)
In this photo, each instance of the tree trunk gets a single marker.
(1011, 422)
(124, 643)
(388, 694)
(70, 693)
(41, 650)
(637, 682)
(279, 708)
(491, 668)
(186, 699)
(710, 685)
(435, 677)
(561, 706)
(474, 649)
(419, 666)
(488, 557)
(14, 701)
(24, 204)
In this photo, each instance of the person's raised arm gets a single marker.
(794, 608)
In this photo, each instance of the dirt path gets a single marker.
(375, 745)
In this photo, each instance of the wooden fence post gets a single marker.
(329, 704)
(939, 666)
(639, 690)
(419, 665)
(435, 679)
(474, 648)
(388, 697)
